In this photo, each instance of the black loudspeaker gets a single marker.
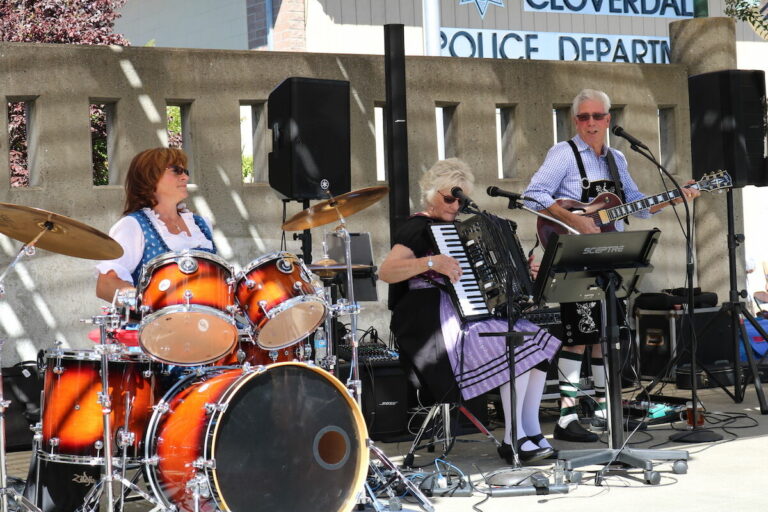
(22, 386)
(385, 397)
(713, 337)
(309, 119)
(728, 125)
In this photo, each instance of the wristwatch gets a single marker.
(430, 263)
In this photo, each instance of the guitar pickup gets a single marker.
(603, 214)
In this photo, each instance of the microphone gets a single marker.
(500, 192)
(619, 132)
(460, 195)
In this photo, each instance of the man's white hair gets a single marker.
(590, 94)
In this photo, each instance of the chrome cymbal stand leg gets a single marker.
(355, 387)
(111, 320)
(5, 491)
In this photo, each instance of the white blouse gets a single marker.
(127, 232)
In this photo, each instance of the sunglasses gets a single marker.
(178, 170)
(447, 199)
(597, 116)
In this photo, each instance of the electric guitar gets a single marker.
(607, 208)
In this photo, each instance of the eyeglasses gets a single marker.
(597, 116)
(447, 199)
(178, 170)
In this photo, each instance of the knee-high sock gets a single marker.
(598, 377)
(532, 404)
(569, 369)
(521, 384)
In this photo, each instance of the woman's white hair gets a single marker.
(446, 174)
(590, 94)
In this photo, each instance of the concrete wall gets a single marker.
(48, 295)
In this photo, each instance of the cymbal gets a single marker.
(328, 211)
(63, 236)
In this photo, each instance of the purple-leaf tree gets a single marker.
(56, 21)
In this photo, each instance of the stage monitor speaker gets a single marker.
(728, 125)
(385, 397)
(309, 119)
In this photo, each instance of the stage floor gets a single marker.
(724, 475)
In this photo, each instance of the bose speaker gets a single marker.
(728, 125)
(309, 119)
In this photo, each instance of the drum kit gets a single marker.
(212, 395)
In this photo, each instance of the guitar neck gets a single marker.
(627, 209)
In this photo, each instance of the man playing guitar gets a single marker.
(581, 169)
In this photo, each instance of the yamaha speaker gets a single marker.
(385, 397)
(309, 119)
(728, 125)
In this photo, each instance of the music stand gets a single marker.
(604, 267)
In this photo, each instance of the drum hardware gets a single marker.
(332, 210)
(111, 320)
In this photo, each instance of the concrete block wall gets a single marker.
(48, 294)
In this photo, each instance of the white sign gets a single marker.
(506, 44)
(644, 8)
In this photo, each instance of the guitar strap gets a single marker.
(585, 183)
(582, 172)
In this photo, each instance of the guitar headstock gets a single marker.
(715, 180)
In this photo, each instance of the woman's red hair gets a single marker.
(145, 171)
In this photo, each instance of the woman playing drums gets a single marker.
(186, 292)
(153, 221)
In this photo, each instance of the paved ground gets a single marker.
(728, 474)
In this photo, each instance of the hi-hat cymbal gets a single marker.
(330, 210)
(62, 234)
(323, 269)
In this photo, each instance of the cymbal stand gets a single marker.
(27, 249)
(110, 320)
(349, 306)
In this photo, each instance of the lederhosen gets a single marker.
(581, 320)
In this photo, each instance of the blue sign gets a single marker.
(506, 44)
(644, 8)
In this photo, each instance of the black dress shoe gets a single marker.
(575, 433)
(505, 452)
(537, 439)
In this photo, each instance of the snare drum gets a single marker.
(277, 295)
(280, 437)
(187, 304)
(73, 429)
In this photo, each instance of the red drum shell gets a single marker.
(190, 296)
(283, 437)
(247, 351)
(278, 298)
(71, 412)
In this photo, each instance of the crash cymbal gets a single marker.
(63, 236)
(328, 211)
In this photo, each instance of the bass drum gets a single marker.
(282, 437)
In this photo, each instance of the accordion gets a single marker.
(479, 244)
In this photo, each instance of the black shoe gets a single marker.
(505, 452)
(575, 433)
(537, 439)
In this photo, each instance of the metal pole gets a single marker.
(430, 12)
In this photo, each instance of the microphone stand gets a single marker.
(696, 435)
